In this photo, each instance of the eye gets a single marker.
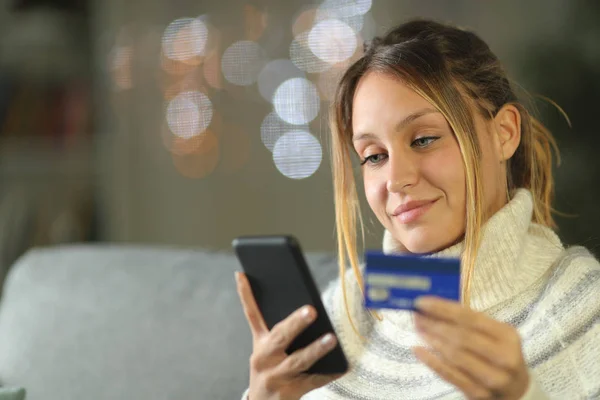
(424, 141)
(373, 159)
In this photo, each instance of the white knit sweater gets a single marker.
(522, 276)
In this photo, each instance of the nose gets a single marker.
(403, 172)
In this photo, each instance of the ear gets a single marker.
(508, 130)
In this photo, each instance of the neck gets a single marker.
(513, 252)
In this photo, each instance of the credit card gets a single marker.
(395, 281)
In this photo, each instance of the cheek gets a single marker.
(445, 171)
(375, 192)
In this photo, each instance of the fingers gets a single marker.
(291, 369)
(452, 375)
(301, 360)
(468, 356)
(254, 317)
(458, 337)
(285, 331)
(485, 374)
(456, 313)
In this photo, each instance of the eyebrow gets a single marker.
(400, 125)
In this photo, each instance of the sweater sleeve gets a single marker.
(534, 391)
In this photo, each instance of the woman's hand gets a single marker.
(274, 374)
(479, 355)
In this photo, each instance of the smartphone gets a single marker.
(281, 283)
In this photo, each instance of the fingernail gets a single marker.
(433, 341)
(327, 339)
(422, 303)
(237, 277)
(306, 313)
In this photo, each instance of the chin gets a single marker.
(421, 248)
(423, 242)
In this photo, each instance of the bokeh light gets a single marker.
(325, 40)
(189, 114)
(120, 65)
(354, 13)
(181, 146)
(185, 39)
(120, 60)
(332, 41)
(297, 101)
(304, 58)
(174, 87)
(175, 67)
(212, 71)
(304, 21)
(200, 157)
(273, 127)
(342, 9)
(242, 62)
(274, 74)
(355, 22)
(297, 154)
(255, 22)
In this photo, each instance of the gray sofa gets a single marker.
(122, 322)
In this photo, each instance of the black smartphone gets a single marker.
(281, 283)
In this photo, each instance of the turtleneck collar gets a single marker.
(513, 253)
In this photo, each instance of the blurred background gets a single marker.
(189, 123)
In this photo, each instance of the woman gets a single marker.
(453, 165)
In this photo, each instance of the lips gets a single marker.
(411, 211)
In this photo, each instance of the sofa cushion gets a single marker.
(12, 393)
(120, 322)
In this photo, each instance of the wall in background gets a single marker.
(47, 165)
(146, 196)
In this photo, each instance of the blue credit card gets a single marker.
(395, 281)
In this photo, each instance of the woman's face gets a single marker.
(413, 171)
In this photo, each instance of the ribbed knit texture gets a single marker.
(523, 276)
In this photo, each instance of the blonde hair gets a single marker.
(456, 72)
